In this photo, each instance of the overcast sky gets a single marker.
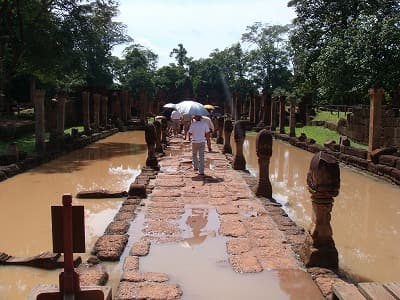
(200, 25)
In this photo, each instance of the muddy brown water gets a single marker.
(365, 222)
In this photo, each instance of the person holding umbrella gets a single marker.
(199, 132)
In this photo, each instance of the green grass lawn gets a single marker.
(329, 117)
(319, 134)
(27, 143)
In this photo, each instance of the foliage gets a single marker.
(343, 48)
(269, 58)
(136, 70)
(180, 55)
(60, 43)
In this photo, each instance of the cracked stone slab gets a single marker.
(235, 229)
(131, 263)
(238, 246)
(92, 275)
(147, 290)
(124, 215)
(135, 276)
(245, 263)
(227, 209)
(117, 227)
(110, 247)
(140, 248)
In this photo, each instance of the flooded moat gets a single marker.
(365, 221)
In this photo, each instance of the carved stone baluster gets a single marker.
(264, 153)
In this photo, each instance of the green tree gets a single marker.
(269, 57)
(180, 55)
(136, 71)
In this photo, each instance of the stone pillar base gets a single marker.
(323, 258)
(49, 292)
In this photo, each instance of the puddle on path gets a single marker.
(203, 272)
(199, 264)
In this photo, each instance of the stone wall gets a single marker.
(358, 126)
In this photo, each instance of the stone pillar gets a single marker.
(292, 121)
(96, 110)
(158, 127)
(151, 137)
(220, 138)
(85, 110)
(375, 120)
(264, 153)
(164, 131)
(124, 105)
(239, 162)
(252, 109)
(228, 128)
(61, 116)
(234, 106)
(323, 180)
(214, 134)
(39, 121)
(282, 114)
(273, 114)
(267, 102)
(104, 111)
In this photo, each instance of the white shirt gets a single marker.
(198, 129)
(208, 121)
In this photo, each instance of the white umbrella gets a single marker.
(190, 107)
(169, 105)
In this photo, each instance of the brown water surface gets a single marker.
(25, 229)
(365, 222)
(365, 215)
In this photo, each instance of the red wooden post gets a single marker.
(69, 279)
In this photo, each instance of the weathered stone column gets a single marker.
(85, 110)
(124, 105)
(257, 109)
(239, 162)
(104, 111)
(323, 180)
(214, 134)
(252, 108)
(96, 110)
(158, 127)
(292, 121)
(267, 102)
(60, 116)
(282, 114)
(39, 121)
(264, 153)
(220, 138)
(273, 114)
(164, 133)
(228, 128)
(375, 120)
(151, 137)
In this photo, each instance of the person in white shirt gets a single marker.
(210, 125)
(176, 121)
(198, 131)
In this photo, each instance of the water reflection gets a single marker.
(112, 164)
(365, 215)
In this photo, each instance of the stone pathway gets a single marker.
(254, 241)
